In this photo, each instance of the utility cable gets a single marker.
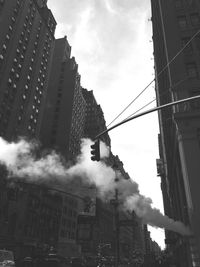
(130, 103)
(166, 66)
(162, 94)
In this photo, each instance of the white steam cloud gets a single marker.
(21, 161)
(142, 207)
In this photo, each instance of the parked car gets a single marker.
(91, 261)
(6, 258)
(54, 260)
(78, 262)
(48, 260)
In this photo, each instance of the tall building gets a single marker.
(95, 121)
(62, 129)
(26, 43)
(177, 66)
(65, 104)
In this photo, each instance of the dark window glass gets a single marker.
(195, 104)
(197, 42)
(185, 42)
(182, 21)
(198, 136)
(194, 19)
(178, 3)
(192, 70)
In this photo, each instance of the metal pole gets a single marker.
(147, 112)
(116, 228)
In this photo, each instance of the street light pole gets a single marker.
(189, 99)
(116, 212)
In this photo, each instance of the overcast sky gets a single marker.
(112, 43)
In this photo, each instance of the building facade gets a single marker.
(26, 43)
(95, 121)
(26, 46)
(65, 104)
(176, 26)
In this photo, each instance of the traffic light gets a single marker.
(95, 151)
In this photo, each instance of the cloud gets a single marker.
(102, 34)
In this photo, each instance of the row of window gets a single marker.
(184, 21)
(57, 106)
(24, 39)
(39, 87)
(8, 35)
(10, 90)
(42, 231)
(68, 234)
(68, 223)
(69, 212)
(51, 24)
(192, 105)
(182, 3)
(192, 70)
(1, 5)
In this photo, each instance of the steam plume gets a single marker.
(21, 161)
(142, 207)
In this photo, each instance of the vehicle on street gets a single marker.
(6, 258)
(78, 262)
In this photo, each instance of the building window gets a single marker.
(194, 19)
(7, 37)
(178, 3)
(197, 42)
(12, 70)
(192, 70)
(15, 11)
(195, 104)
(13, 19)
(9, 81)
(4, 47)
(182, 21)
(198, 136)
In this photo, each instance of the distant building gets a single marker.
(152, 249)
(95, 121)
(177, 68)
(62, 129)
(118, 165)
(65, 104)
(26, 44)
(31, 218)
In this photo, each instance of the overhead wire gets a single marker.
(130, 103)
(149, 103)
(147, 86)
